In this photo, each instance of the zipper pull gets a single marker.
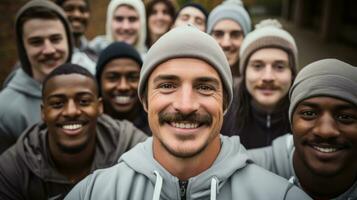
(268, 121)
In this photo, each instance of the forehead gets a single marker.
(42, 27)
(192, 11)
(327, 102)
(269, 54)
(227, 24)
(68, 84)
(124, 9)
(75, 2)
(122, 63)
(185, 68)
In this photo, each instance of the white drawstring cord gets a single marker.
(214, 183)
(158, 186)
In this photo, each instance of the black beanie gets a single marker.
(195, 5)
(113, 51)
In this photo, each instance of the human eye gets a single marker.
(133, 77)
(133, 19)
(217, 34)
(55, 39)
(85, 100)
(236, 34)
(56, 104)
(205, 89)
(36, 41)
(111, 77)
(68, 8)
(166, 87)
(280, 66)
(119, 18)
(199, 21)
(308, 114)
(256, 65)
(346, 118)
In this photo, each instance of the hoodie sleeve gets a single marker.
(79, 191)
(131, 135)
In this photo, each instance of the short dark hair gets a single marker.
(37, 13)
(66, 69)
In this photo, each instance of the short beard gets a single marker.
(72, 150)
(183, 155)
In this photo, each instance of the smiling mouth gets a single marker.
(122, 99)
(72, 126)
(185, 125)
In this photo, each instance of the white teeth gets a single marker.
(122, 99)
(72, 126)
(184, 125)
(325, 150)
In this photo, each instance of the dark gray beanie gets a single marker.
(327, 77)
(233, 10)
(187, 42)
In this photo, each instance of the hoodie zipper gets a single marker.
(183, 188)
(268, 120)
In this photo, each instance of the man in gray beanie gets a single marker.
(185, 86)
(320, 156)
(229, 23)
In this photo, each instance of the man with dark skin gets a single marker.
(73, 140)
(320, 156)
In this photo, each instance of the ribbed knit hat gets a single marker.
(230, 9)
(327, 77)
(187, 42)
(268, 33)
(113, 51)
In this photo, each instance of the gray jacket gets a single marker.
(139, 176)
(27, 170)
(278, 158)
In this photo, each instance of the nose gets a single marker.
(123, 84)
(48, 47)
(76, 12)
(71, 109)
(186, 101)
(326, 126)
(126, 24)
(226, 41)
(268, 74)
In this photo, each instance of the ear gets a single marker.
(100, 106)
(144, 103)
(42, 113)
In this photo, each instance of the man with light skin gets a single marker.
(74, 139)
(229, 23)
(185, 89)
(44, 42)
(125, 23)
(192, 13)
(320, 155)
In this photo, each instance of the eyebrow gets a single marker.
(64, 96)
(212, 80)
(165, 77)
(343, 106)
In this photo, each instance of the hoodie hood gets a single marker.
(23, 83)
(25, 63)
(138, 5)
(33, 148)
(231, 158)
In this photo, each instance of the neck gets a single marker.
(154, 37)
(185, 168)
(131, 115)
(77, 41)
(74, 166)
(319, 186)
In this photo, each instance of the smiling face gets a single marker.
(126, 25)
(78, 15)
(191, 15)
(325, 136)
(46, 45)
(185, 107)
(70, 109)
(119, 82)
(268, 77)
(159, 21)
(229, 36)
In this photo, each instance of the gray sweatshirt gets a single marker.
(278, 158)
(232, 176)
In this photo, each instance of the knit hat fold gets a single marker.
(187, 42)
(327, 77)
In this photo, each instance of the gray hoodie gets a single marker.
(278, 158)
(27, 170)
(139, 176)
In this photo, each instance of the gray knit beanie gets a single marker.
(327, 77)
(187, 42)
(230, 9)
(268, 33)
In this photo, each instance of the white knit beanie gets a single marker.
(268, 33)
(187, 42)
(138, 5)
(230, 9)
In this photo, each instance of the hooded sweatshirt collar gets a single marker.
(231, 158)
